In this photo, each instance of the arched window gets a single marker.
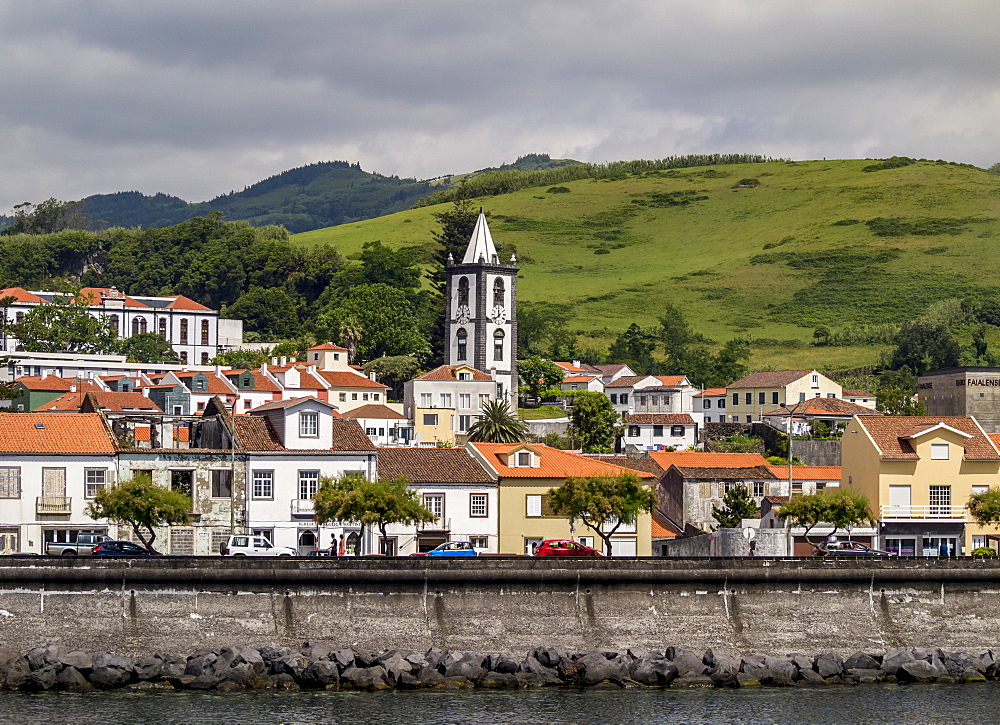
(163, 327)
(184, 332)
(184, 357)
(498, 292)
(113, 318)
(463, 290)
(138, 325)
(498, 336)
(204, 332)
(204, 358)
(462, 339)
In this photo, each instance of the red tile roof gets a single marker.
(660, 528)
(643, 463)
(858, 394)
(108, 401)
(96, 295)
(578, 378)
(20, 295)
(431, 465)
(328, 346)
(143, 433)
(182, 434)
(626, 381)
(217, 385)
(670, 379)
(725, 474)
(710, 391)
(345, 379)
(255, 434)
(381, 412)
(279, 404)
(59, 433)
(307, 381)
(55, 383)
(891, 434)
(180, 302)
(807, 473)
(447, 372)
(261, 383)
(771, 379)
(554, 463)
(695, 459)
(659, 419)
(349, 437)
(825, 406)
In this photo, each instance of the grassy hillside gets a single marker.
(810, 243)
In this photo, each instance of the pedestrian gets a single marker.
(333, 546)
(343, 546)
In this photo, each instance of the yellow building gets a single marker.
(525, 472)
(445, 402)
(918, 473)
(758, 393)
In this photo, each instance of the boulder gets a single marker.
(344, 657)
(240, 676)
(15, 672)
(318, 675)
(549, 657)
(365, 678)
(780, 671)
(927, 653)
(44, 678)
(755, 668)
(72, 680)
(503, 664)
(892, 660)
(811, 677)
(598, 668)
(111, 671)
(918, 671)
(469, 669)
(78, 659)
(204, 681)
(252, 657)
(687, 661)
(863, 675)
(49, 656)
(203, 662)
(862, 661)
(692, 682)
(149, 668)
(292, 664)
(803, 662)
(828, 664)
(173, 666)
(498, 681)
(270, 655)
(653, 669)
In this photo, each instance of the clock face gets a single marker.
(498, 314)
(463, 314)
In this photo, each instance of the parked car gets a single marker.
(453, 548)
(246, 545)
(848, 548)
(120, 548)
(564, 547)
(83, 545)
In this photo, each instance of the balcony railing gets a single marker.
(303, 507)
(439, 524)
(937, 512)
(52, 505)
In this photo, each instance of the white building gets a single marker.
(659, 431)
(712, 402)
(453, 486)
(383, 425)
(289, 446)
(191, 328)
(445, 402)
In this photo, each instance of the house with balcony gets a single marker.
(918, 472)
(524, 473)
(758, 393)
(830, 413)
(51, 467)
(291, 445)
(453, 486)
(657, 431)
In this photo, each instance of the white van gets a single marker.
(246, 545)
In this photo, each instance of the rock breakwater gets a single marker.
(314, 666)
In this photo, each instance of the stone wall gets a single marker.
(501, 604)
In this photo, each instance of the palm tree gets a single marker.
(497, 425)
(350, 336)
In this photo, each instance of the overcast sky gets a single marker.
(199, 97)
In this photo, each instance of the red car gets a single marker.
(564, 547)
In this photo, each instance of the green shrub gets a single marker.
(846, 222)
(984, 551)
(747, 184)
(602, 250)
(557, 190)
(894, 162)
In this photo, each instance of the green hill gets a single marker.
(769, 251)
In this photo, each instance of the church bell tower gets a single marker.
(481, 319)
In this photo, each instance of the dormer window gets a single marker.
(309, 424)
(465, 376)
(524, 459)
(939, 451)
(246, 382)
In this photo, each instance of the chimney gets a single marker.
(72, 388)
(274, 361)
(284, 361)
(371, 376)
(44, 374)
(576, 363)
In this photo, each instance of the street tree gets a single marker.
(539, 378)
(143, 505)
(352, 497)
(736, 506)
(603, 503)
(497, 424)
(897, 401)
(594, 421)
(985, 507)
(836, 507)
(147, 347)
(64, 325)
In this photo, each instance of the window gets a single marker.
(204, 358)
(749, 398)
(425, 400)
(758, 489)
(461, 341)
(940, 500)
(736, 398)
(143, 472)
(979, 488)
(463, 290)
(483, 400)
(342, 397)
(498, 336)
(831, 395)
(677, 431)
(184, 332)
(430, 419)
(247, 404)
(388, 546)
(184, 357)
(706, 403)
(434, 502)
(736, 418)
(815, 381)
(939, 451)
(464, 423)
(138, 325)
(614, 398)
(464, 401)
(633, 431)
(263, 484)
(498, 292)
(478, 505)
(761, 398)
(479, 542)
(445, 399)
(201, 405)
(95, 479)
(533, 505)
(722, 402)
(375, 396)
(524, 459)
(364, 396)
(657, 431)
(465, 376)
(749, 419)
(204, 332)
(10, 482)
(113, 319)
(308, 483)
(370, 431)
(354, 396)
(623, 398)
(654, 400)
(802, 397)
(774, 397)
(162, 327)
(309, 424)
(222, 483)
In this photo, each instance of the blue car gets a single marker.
(453, 548)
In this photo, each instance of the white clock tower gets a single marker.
(481, 319)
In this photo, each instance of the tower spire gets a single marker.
(481, 246)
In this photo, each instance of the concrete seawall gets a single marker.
(497, 604)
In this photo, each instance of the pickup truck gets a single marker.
(83, 545)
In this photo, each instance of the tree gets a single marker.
(47, 217)
(141, 504)
(594, 421)
(147, 347)
(821, 335)
(497, 424)
(924, 346)
(270, 311)
(394, 371)
(65, 325)
(240, 359)
(352, 497)
(736, 506)
(985, 507)
(384, 314)
(600, 500)
(540, 378)
(634, 347)
(541, 321)
(897, 401)
(836, 507)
